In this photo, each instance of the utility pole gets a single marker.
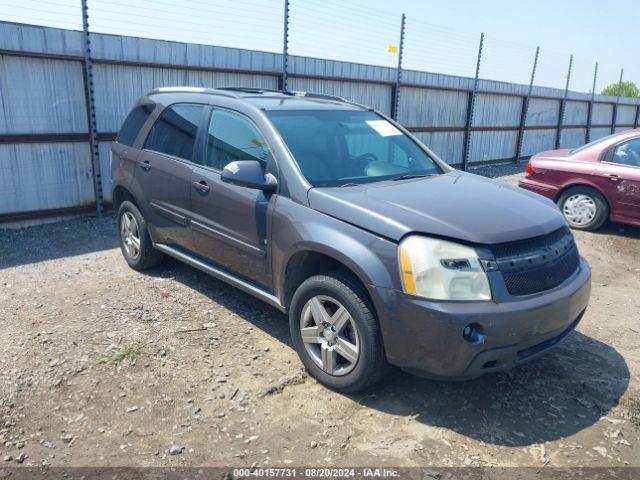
(396, 90)
(591, 103)
(615, 108)
(471, 106)
(285, 49)
(91, 112)
(525, 108)
(563, 104)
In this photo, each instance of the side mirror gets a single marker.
(250, 174)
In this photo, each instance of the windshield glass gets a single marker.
(344, 147)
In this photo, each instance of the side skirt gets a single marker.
(221, 275)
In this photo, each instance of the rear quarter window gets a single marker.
(133, 124)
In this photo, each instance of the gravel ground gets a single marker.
(105, 366)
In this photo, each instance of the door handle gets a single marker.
(201, 186)
(612, 176)
(145, 165)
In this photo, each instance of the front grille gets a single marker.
(544, 277)
(520, 247)
(537, 264)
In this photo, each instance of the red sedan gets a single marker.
(592, 183)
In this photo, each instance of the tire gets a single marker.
(584, 208)
(361, 330)
(140, 255)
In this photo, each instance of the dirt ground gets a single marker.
(105, 366)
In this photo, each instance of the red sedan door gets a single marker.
(619, 178)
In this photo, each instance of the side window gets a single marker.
(628, 153)
(174, 133)
(133, 123)
(232, 137)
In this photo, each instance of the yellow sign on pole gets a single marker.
(393, 48)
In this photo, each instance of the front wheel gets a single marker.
(584, 208)
(336, 334)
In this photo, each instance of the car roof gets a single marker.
(267, 99)
(605, 142)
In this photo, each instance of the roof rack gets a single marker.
(294, 93)
(319, 95)
(254, 90)
(330, 97)
(228, 92)
(211, 91)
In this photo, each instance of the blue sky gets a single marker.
(441, 36)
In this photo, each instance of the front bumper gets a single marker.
(425, 337)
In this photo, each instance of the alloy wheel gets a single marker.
(330, 335)
(130, 235)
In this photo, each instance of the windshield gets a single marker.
(346, 147)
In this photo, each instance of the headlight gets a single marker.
(441, 270)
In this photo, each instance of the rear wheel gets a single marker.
(135, 242)
(584, 208)
(336, 334)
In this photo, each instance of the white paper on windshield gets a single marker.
(384, 128)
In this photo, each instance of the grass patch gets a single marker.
(128, 351)
(6, 251)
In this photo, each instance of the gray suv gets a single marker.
(379, 252)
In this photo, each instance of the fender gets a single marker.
(582, 182)
(372, 258)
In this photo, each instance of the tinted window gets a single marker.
(133, 123)
(338, 147)
(174, 133)
(232, 137)
(628, 153)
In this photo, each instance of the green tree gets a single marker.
(624, 89)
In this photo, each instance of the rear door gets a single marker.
(125, 150)
(164, 172)
(619, 172)
(231, 223)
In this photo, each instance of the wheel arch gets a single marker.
(584, 185)
(121, 194)
(306, 263)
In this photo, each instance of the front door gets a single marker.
(620, 173)
(231, 223)
(164, 172)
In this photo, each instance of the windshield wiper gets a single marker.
(350, 184)
(412, 175)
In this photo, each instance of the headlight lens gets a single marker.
(441, 270)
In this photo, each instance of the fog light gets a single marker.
(474, 334)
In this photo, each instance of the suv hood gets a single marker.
(456, 205)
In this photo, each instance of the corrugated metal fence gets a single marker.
(45, 164)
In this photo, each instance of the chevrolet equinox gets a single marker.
(380, 252)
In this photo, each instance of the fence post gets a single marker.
(471, 106)
(563, 104)
(590, 108)
(87, 78)
(395, 106)
(637, 119)
(614, 118)
(284, 79)
(525, 108)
